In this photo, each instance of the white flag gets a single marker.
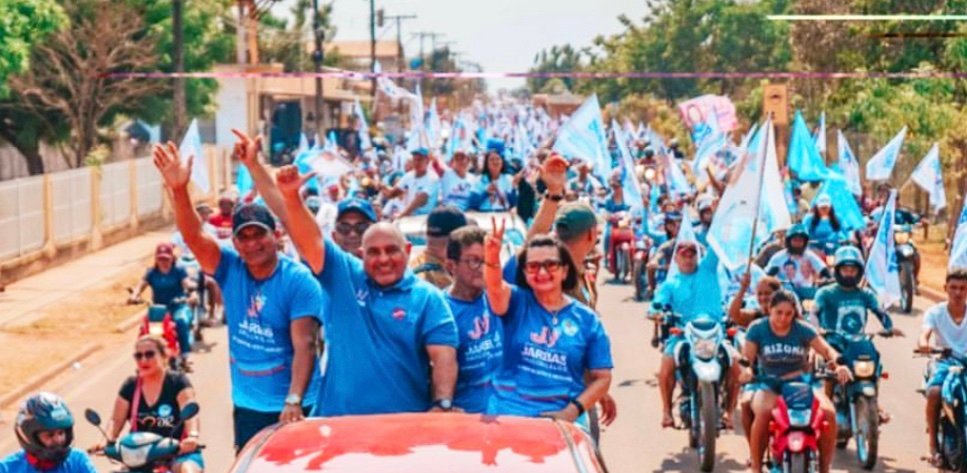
(882, 272)
(191, 146)
(929, 177)
(958, 249)
(848, 164)
(880, 166)
(820, 137)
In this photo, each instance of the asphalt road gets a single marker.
(635, 443)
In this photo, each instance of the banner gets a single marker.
(715, 109)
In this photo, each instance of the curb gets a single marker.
(41, 379)
(130, 322)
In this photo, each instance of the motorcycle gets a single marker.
(797, 422)
(856, 402)
(199, 305)
(159, 321)
(906, 255)
(620, 243)
(142, 452)
(952, 427)
(702, 368)
(639, 267)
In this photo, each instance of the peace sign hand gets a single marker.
(175, 173)
(495, 239)
(290, 182)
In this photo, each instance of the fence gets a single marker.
(44, 213)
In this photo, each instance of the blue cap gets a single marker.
(420, 151)
(247, 215)
(358, 205)
(495, 145)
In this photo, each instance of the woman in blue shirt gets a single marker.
(822, 224)
(495, 190)
(550, 340)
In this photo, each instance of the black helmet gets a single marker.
(797, 230)
(43, 412)
(848, 256)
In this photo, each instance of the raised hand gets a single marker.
(175, 173)
(554, 174)
(495, 239)
(247, 148)
(290, 182)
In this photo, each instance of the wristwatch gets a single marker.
(445, 404)
(293, 400)
(553, 197)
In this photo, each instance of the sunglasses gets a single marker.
(145, 355)
(473, 263)
(347, 228)
(534, 267)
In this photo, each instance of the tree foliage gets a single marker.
(286, 42)
(22, 24)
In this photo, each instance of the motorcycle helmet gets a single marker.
(43, 412)
(848, 255)
(797, 230)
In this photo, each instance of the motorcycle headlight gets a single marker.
(901, 237)
(864, 368)
(704, 348)
(650, 174)
(799, 417)
(156, 330)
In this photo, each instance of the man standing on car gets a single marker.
(272, 306)
(429, 264)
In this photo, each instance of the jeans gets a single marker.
(182, 316)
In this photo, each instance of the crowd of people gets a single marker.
(329, 312)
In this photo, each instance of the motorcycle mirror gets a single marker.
(93, 417)
(190, 410)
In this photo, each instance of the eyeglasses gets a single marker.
(145, 355)
(473, 263)
(550, 265)
(344, 228)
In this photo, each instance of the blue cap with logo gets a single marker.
(355, 204)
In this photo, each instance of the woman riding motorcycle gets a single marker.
(151, 400)
(45, 430)
(822, 224)
(781, 344)
(169, 287)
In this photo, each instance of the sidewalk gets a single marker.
(24, 301)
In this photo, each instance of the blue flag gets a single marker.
(629, 178)
(803, 158)
(880, 166)
(848, 212)
(882, 272)
(583, 137)
(848, 165)
(820, 137)
(958, 249)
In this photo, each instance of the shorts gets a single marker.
(937, 373)
(194, 457)
(672, 344)
(776, 387)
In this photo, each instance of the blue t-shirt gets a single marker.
(76, 462)
(259, 314)
(166, 287)
(823, 232)
(780, 356)
(544, 362)
(376, 339)
(505, 187)
(456, 190)
(845, 311)
(691, 295)
(479, 354)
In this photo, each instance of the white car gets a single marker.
(414, 228)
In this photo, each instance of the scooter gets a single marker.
(797, 422)
(142, 452)
(856, 402)
(952, 427)
(159, 321)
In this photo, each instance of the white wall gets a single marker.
(232, 111)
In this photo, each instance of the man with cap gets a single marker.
(387, 326)
(429, 265)
(419, 188)
(272, 306)
(353, 217)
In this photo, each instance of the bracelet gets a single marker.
(578, 405)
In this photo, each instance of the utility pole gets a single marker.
(399, 37)
(178, 55)
(317, 57)
(372, 47)
(423, 35)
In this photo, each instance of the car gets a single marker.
(421, 443)
(414, 229)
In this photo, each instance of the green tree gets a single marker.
(23, 23)
(288, 43)
(556, 59)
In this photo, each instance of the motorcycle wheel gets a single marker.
(907, 287)
(867, 433)
(708, 425)
(953, 447)
(798, 463)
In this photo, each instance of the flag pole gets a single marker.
(758, 197)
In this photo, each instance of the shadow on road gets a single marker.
(686, 460)
(846, 460)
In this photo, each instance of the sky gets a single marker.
(500, 35)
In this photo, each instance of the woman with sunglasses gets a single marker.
(151, 401)
(551, 341)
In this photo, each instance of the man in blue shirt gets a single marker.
(272, 306)
(45, 430)
(386, 325)
(481, 334)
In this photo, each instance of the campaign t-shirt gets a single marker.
(546, 355)
(799, 270)
(429, 184)
(484, 202)
(479, 353)
(76, 462)
(947, 333)
(166, 287)
(259, 314)
(376, 339)
(823, 231)
(163, 414)
(780, 356)
(692, 295)
(456, 190)
(844, 311)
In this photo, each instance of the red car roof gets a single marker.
(423, 443)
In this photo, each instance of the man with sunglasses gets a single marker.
(353, 218)
(272, 305)
(429, 264)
